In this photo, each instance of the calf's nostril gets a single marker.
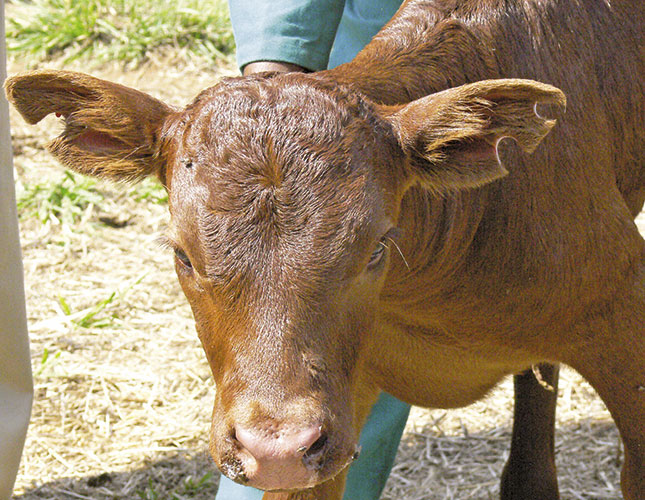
(317, 446)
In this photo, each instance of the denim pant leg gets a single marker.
(367, 476)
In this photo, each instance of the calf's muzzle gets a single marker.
(284, 455)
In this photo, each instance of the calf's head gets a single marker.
(284, 194)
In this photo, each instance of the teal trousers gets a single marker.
(367, 476)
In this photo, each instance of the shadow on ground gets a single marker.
(429, 466)
(185, 475)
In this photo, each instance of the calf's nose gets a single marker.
(283, 457)
(267, 444)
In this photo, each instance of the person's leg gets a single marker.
(15, 368)
(228, 490)
(367, 476)
(379, 441)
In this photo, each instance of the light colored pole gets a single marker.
(16, 388)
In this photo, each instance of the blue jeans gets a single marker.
(367, 475)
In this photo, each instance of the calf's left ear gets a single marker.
(451, 137)
(111, 131)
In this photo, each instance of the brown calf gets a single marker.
(352, 231)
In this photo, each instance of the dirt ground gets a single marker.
(123, 393)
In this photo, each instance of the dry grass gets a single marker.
(123, 400)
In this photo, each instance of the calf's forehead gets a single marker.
(263, 164)
(270, 120)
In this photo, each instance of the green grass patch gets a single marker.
(62, 201)
(93, 316)
(191, 488)
(151, 191)
(87, 317)
(47, 362)
(123, 30)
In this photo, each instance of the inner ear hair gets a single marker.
(451, 137)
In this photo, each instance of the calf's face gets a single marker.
(284, 192)
(280, 225)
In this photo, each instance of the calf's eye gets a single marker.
(183, 259)
(377, 255)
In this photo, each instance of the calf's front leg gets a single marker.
(530, 471)
(612, 359)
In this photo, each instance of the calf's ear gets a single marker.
(111, 131)
(451, 137)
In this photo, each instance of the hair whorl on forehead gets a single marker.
(261, 125)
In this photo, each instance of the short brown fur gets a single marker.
(284, 188)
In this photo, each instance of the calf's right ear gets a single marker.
(451, 137)
(111, 131)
